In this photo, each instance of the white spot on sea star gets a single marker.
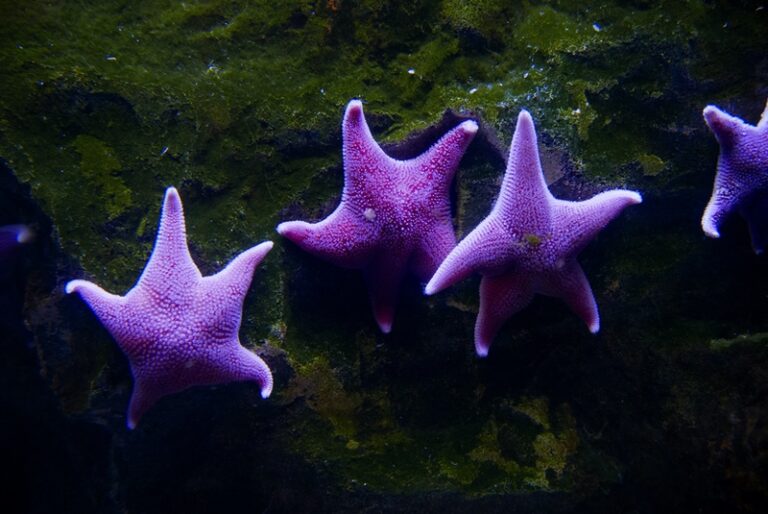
(369, 214)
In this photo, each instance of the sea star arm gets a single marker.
(14, 235)
(142, 399)
(362, 154)
(571, 285)
(726, 128)
(384, 276)
(580, 222)
(433, 171)
(228, 287)
(763, 123)
(438, 164)
(239, 364)
(162, 375)
(476, 251)
(524, 194)
(251, 367)
(500, 297)
(346, 237)
(106, 306)
(721, 203)
(170, 262)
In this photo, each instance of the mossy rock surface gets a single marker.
(238, 104)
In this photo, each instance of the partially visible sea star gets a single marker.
(741, 182)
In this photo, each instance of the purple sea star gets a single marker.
(741, 183)
(394, 215)
(178, 328)
(528, 243)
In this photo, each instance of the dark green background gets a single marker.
(238, 104)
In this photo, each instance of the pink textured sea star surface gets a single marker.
(741, 182)
(528, 243)
(178, 328)
(394, 216)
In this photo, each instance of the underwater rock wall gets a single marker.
(105, 104)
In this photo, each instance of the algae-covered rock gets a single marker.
(238, 104)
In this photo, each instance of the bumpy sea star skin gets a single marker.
(528, 243)
(741, 182)
(178, 328)
(394, 215)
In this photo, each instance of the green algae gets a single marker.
(99, 165)
(652, 164)
(533, 240)
(325, 395)
(533, 455)
(553, 32)
(745, 339)
(239, 105)
(537, 409)
(482, 17)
